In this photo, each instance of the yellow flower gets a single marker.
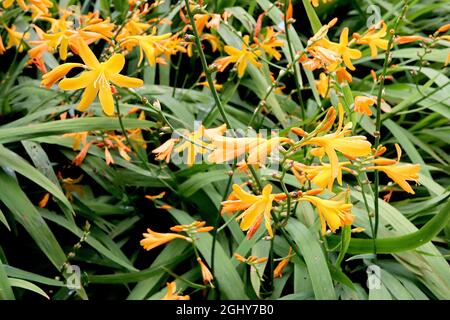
(172, 293)
(342, 49)
(9, 3)
(320, 175)
(399, 173)
(133, 27)
(16, 38)
(150, 45)
(50, 78)
(355, 146)
(269, 43)
(240, 57)
(259, 154)
(154, 239)
(322, 84)
(195, 145)
(334, 213)
(363, 103)
(164, 151)
(373, 38)
(97, 79)
(227, 148)
(254, 206)
(259, 148)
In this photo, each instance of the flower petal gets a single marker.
(87, 55)
(114, 64)
(86, 78)
(88, 96)
(124, 81)
(106, 99)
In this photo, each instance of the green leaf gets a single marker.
(18, 164)
(315, 260)
(60, 127)
(227, 277)
(6, 292)
(28, 286)
(27, 215)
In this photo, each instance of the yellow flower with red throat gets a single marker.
(256, 207)
(363, 104)
(399, 173)
(95, 80)
(374, 38)
(172, 293)
(354, 146)
(333, 212)
(154, 239)
(241, 57)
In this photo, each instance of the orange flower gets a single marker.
(342, 74)
(408, 39)
(154, 239)
(373, 38)
(255, 207)
(354, 146)
(342, 49)
(158, 196)
(334, 213)
(206, 274)
(399, 173)
(322, 84)
(172, 293)
(320, 175)
(363, 103)
(194, 227)
(43, 202)
(240, 57)
(164, 151)
(278, 272)
(250, 260)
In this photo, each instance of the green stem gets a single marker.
(205, 66)
(293, 61)
(387, 60)
(401, 243)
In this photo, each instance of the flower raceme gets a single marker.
(320, 175)
(151, 45)
(399, 173)
(258, 148)
(96, 79)
(354, 146)
(256, 207)
(154, 239)
(334, 212)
